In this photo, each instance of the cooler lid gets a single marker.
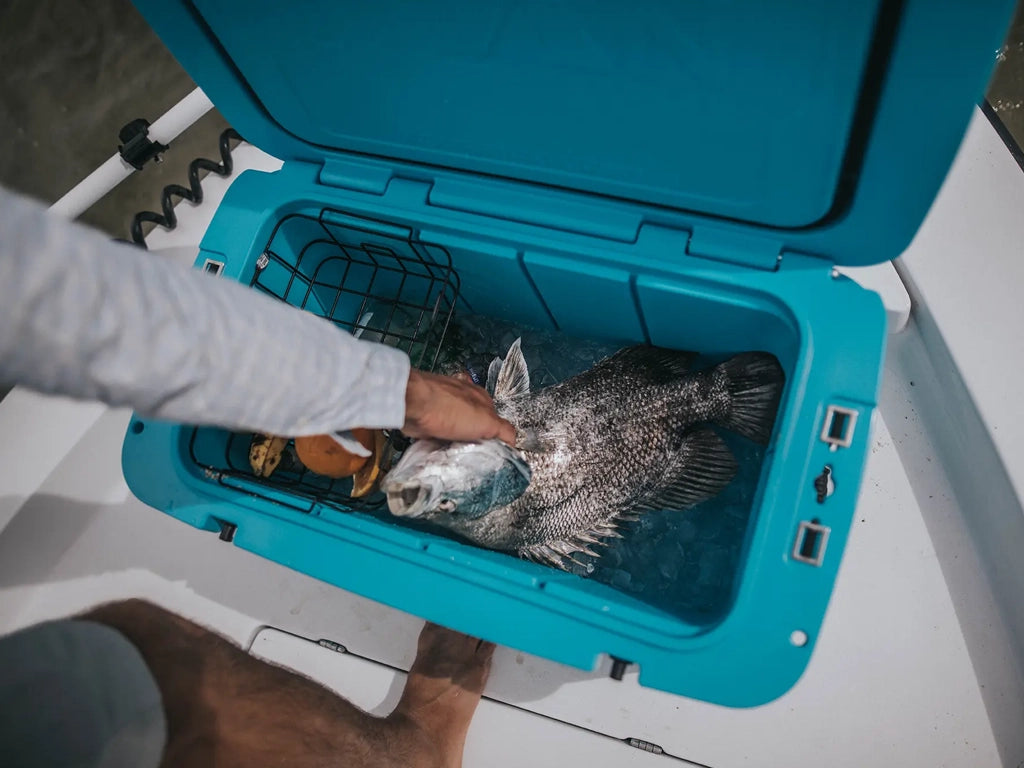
(827, 127)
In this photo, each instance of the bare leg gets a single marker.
(225, 708)
(444, 688)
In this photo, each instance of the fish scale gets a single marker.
(630, 434)
(636, 438)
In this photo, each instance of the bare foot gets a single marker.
(444, 688)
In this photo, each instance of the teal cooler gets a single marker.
(687, 175)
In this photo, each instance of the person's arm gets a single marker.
(83, 317)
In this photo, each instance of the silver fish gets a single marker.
(631, 434)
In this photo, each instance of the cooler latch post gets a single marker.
(619, 667)
(227, 530)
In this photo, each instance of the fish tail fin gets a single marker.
(754, 381)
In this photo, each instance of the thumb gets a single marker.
(506, 432)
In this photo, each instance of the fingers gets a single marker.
(506, 432)
(485, 423)
(452, 408)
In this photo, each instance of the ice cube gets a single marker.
(621, 579)
(686, 531)
(668, 568)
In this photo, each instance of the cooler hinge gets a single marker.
(735, 248)
(523, 204)
(355, 175)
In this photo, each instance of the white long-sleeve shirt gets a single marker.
(84, 317)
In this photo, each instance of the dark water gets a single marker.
(682, 562)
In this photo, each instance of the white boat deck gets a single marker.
(918, 660)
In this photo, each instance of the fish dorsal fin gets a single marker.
(514, 376)
(701, 468)
(492, 375)
(648, 366)
(646, 356)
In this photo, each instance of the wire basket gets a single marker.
(374, 279)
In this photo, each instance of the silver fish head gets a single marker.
(437, 479)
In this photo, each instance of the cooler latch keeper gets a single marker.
(136, 148)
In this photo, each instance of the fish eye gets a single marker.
(447, 505)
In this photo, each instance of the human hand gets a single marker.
(451, 408)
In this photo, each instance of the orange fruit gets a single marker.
(323, 455)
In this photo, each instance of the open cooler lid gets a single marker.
(825, 127)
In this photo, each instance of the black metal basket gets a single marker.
(376, 280)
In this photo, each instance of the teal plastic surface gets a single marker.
(589, 284)
(826, 126)
(748, 268)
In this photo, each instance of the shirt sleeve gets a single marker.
(91, 319)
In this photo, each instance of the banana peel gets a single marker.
(367, 479)
(265, 453)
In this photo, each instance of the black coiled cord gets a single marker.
(194, 194)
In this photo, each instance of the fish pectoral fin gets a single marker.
(514, 377)
(702, 467)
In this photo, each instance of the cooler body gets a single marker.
(682, 175)
(339, 252)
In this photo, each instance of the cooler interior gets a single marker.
(451, 301)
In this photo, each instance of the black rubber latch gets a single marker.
(227, 530)
(821, 483)
(135, 148)
(618, 668)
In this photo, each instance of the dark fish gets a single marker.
(629, 435)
